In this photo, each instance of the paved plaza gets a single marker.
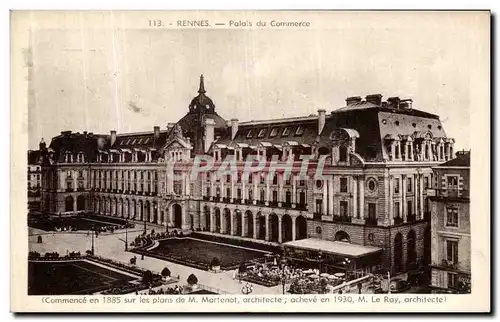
(112, 246)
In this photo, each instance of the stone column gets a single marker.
(244, 225)
(74, 205)
(267, 227)
(233, 193)
(267, 192)
(255, 218)
(294, 192)
(391, 200)
(330, 196)
(280, 190)
(294, 229)
(212, 219)
(184, 219)
(232, 223)
(222, 189)
(222, 223)
(325, 197)
(403, 192)
(212, 189)
(415, 194)
(393, 150)
(280, 234)
(243, 190)
(407, 157)
(361, 197)
(354, 197)
(421, 195)
(170, 215)
(256, 192)
(202, 180)
(151, 213)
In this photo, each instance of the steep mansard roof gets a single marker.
(373, 122)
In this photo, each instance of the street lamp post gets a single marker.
(283, 273)
(126, 235)
(92, 248)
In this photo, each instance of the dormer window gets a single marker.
(146, 140)
(299, 131)
(286, 131)
(249, 134)
(140, 141)
(262, 132)
(274, 132)
(133, 142)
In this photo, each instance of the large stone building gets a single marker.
(450, 225)
(34, 180)
(376, 158)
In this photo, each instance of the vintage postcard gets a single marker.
(250, 161)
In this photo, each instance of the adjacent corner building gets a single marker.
(450, 226)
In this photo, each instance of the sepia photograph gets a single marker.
(240, 158)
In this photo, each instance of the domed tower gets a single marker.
(42, 146)
(194, 122)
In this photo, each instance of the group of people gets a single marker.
(171, 290)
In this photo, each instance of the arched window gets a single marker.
(342, 153)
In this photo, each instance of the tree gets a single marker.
(215, 262)
(147, 278)
(243, 268)
(165, 272)
(192, 280)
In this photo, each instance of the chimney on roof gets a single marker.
(209, 133)
(394, 102)
(321, 120)
(352, 100)
(375, 99)
(113, 137)
(234, 128)
(84, 132)
(406, 103)
(156, 132)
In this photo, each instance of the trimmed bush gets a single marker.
(215, 262)
(165, 272)
(192, 279)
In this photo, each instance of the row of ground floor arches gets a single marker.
(270, 227)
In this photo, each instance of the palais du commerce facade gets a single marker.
(378, 158)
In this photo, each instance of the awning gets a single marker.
(334, 247)
(305, 145)
(113, 151)
(242, 145)
(292, 143)
(126, 150)
(266, 144)
(103, 152)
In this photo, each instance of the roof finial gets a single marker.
(202, 85)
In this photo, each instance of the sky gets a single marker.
(99, 73)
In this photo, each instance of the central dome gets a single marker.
(201, 103)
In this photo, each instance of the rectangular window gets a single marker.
(343, 184)
(69, 185)
(80, 185)
(343, 208)
(409, 185)
(452, 182)
(396, 185)
(68, 174)
(228, 192)
(262, 195)
(275, 196)
(262, 178)
(426, 182)
(319, 206)
(302, 183)
(409, 209)
(372, 210)
(397, 214)
(238, 193)
(275, 179)
(451, 217)
(452, 251)
(299, 131)
(250, 178)
(228, 178)
(452, 280)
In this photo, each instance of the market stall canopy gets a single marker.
(333, 247)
